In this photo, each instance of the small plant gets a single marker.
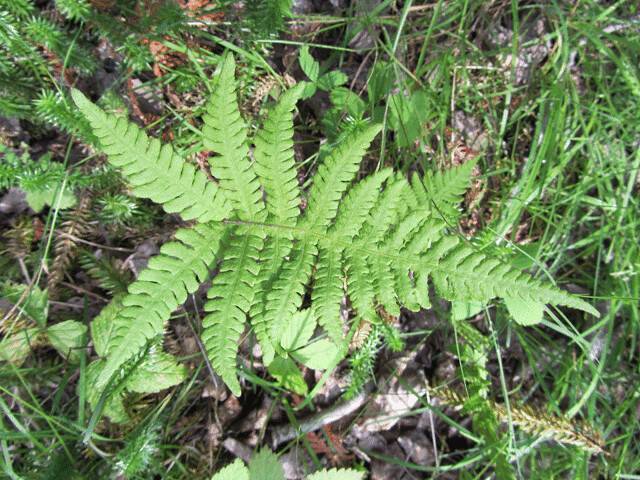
(24, 326)
(406, 110)
(382, 237)
(265, 465)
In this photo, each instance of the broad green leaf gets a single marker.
(318, 355)
(288, 375)
(347, 101)
(104, 325)
(233, 471)
(309, 65)
(68, 338)
(264, 465)
(381, 81)
(34, 304)
(463, 310)
(158, 371)
(113, 407)
(331, 80)
(524, 311)
(298, 330)
(38, 199)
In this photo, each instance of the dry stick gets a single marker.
(315, 422)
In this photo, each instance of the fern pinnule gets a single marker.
(230, 297)
(275, 163)
(334, 177)
(442, 191)
(275, 166)
(328, 292)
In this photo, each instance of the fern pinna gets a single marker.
(377, 241)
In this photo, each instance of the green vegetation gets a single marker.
(371, 239)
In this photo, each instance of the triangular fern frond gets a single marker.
(384, 238)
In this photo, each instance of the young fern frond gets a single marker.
(384, 237)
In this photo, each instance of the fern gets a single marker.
(384, 238)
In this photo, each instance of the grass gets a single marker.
(558, 183)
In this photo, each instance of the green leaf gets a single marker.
(104, 326)
(407, 114)
(288, 375)
(113, 406)
(525, 311)
(336, 474)
(38, 199)
(68, 338)
(298, 330)
(347, 101)
(463, 310)
(308, 64)
(233, 471)
(158, 371)
(318, 355)
(265, 465)
(331, 80)
(381, 81)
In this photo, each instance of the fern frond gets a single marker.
(230, 297)
(334, 176)
(164, 285)
(154, 171)
(461, 272)
(226, 134)
(442, 191)
(385, 238)
(275, 164)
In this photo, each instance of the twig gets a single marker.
(315, 422)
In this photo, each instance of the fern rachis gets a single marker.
(377, 238)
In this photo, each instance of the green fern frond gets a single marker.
(169, 277)
(384, 238)
(225, 133)
(230, 297)
(154, 171)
